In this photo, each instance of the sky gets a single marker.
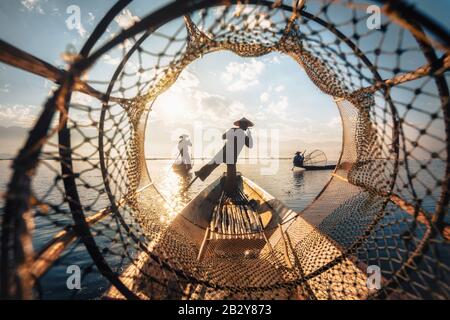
(211, 93)
(289, 113)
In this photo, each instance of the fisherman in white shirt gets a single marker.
(183, 148)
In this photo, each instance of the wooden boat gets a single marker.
(222, 226)
(325, 167)
(314, 168)
(315, 160)
(235, 230)
(243, 216)
(181, 168)
(298, 169)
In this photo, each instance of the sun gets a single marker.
(171, 108)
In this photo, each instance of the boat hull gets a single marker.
(315, 168)
(298, 169)
(181, 168)
(229, 258)
(200, 209)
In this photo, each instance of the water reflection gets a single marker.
(173, 189)
(295, 189)
(299, 178)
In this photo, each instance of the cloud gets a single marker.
(126, 19)
(240, 76)
(196, 100)
(18, 115)
(264, 97)
(274, 59)
(81, 98)
(6, 88)
(274, 105)
(334, 123)
(106, 58)
(279, 88)
(33, 5)
(220, 111)
(91, 18)
(260, 115)
(185, 103)
(12, 139)
(187, 80)
(126, 44)
(278, 108)
(55, 12)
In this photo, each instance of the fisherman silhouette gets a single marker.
(298, 159)
(235, 138)
(183, 147)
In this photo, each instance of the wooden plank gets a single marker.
(227, 223)
(224, 220)
(242, 229)
(218, 223)
(214, 218)
(230, 220)
(251, 219)
(235, 220)
(257, 219)
(245, 221)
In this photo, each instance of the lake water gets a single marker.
(296, 189)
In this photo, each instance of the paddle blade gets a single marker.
(206, 170)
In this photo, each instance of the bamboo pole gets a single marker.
(202, 247)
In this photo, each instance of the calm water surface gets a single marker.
(295, 189)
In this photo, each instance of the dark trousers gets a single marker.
(230, 181)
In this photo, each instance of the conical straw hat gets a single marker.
(243, 120)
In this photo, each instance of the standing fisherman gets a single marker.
(298, 159)
(235, 138)
(183, 147)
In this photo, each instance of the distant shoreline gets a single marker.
(166, 158)
(202, 159)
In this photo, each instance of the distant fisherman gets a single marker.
(298, 159)
(183, 147)
(235, 138)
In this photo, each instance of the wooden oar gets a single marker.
(190, 184)
(168, 169)
(174, 161)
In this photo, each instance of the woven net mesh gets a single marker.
(385, 205)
